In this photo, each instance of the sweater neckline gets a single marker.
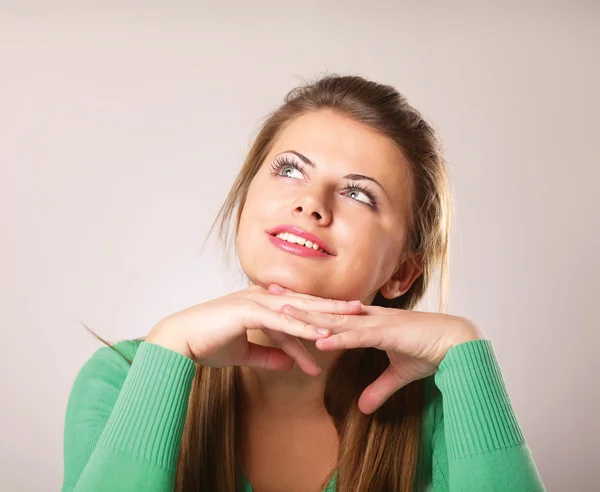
(246, 487)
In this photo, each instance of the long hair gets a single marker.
(380, 451)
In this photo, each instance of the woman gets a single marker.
(319, 375)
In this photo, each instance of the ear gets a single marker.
(404, 276)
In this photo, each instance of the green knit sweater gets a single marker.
(124, 423)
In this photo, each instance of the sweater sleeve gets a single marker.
(478, 444)
(124, 424)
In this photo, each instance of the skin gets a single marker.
(367, 242)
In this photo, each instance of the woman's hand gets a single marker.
(415, 342)
(214, 333)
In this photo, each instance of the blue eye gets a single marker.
(358, 192)
(358, 189)
(285, 167)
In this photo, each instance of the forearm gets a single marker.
(485, 446)
(139, 444)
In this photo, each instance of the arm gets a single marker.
(478, 444)
(124, 423)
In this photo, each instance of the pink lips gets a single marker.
(298, 249)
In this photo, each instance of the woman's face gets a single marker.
(344, 186)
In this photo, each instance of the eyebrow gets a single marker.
(355, 177)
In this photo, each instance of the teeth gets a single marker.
(290, 238)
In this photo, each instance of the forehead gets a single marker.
(341, 145)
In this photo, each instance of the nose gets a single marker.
(313, 207)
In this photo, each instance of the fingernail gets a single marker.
(355, 303)
(277, 289)
(323, 331)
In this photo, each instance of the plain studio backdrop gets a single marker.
(123, 126)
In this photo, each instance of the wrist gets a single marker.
(167, 337)
(466, 331)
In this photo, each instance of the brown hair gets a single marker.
(378, 451)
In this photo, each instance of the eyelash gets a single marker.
(283, 161)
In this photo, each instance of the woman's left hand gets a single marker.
(414, 341)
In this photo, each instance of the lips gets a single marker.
(296, 231)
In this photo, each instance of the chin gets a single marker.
(288, 279)
(301, 284)
(262, 270)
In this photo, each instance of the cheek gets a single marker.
(246, 242)
(247, 230)
(256, 217)
(370, 257)
(265, 195)
(362, 237)
(253, 205)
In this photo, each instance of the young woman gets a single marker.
(319, 375)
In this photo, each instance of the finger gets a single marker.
(276, 289)
(282, 326)
(280, 290)
(294, 348)
(317, 306)
(271, 358)
(259, 317)
(348, 340)
(380, 390)
(315, 303)
(334, 322)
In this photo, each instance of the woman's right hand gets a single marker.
(214, 333)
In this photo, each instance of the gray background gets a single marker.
(123, 125)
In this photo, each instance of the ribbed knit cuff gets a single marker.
(478, 415)
(148, 418)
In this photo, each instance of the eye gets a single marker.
(361, 193)
(285, 167)
(355, 194)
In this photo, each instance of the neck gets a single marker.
(286, 392)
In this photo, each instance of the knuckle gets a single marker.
(250, 292)
(248, 306)
(337, 319)
(252, 303)
(302, 304)
(293, 322)
(356, 337)
(362, 337)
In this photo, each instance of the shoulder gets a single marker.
(123, 351)
(125, 348)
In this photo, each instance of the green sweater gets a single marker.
(124, 423)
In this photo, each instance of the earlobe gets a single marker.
(402, 279)
(391, 289)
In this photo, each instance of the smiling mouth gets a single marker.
(293, 239)
(303, 242)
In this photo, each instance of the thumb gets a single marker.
(380, 390)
